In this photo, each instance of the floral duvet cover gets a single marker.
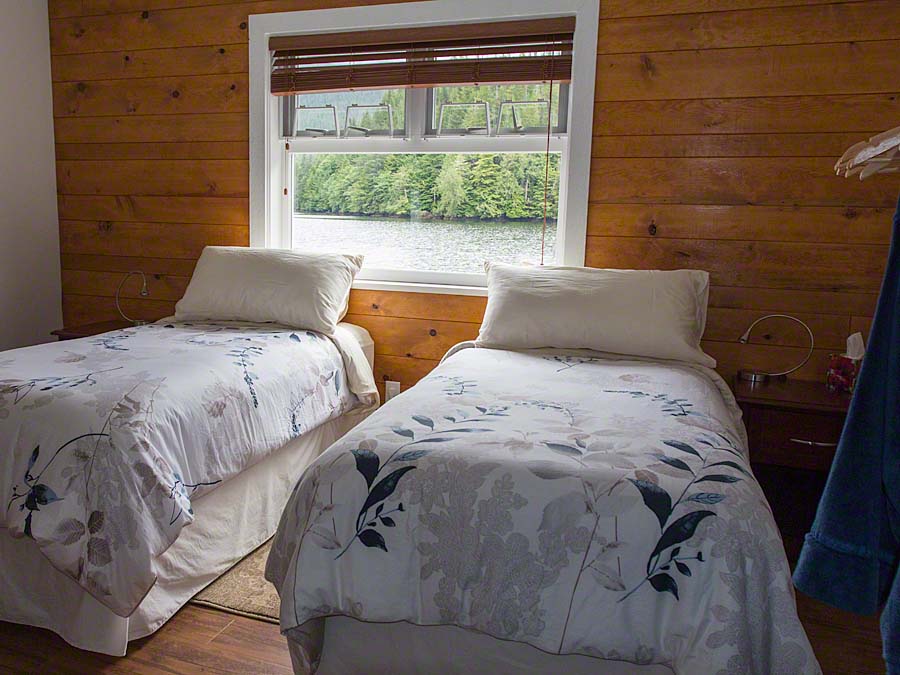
(580, 505)
(106, 440)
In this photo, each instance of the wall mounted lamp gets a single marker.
(145, 291)
(762, 376)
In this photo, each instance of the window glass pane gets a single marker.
(371, 113)
(525, 111)
(438, 212)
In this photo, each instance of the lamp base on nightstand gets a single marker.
(753, 376)
(758, 377)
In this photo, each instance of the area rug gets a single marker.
(243, 589)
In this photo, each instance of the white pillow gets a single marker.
(646, 313)
(292, 288)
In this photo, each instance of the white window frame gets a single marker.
(271, 199)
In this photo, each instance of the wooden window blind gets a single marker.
(505, 52)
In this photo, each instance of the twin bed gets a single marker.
(139, 465)
(514, 507)
(143, 463)
(583, 509)
(519, 510)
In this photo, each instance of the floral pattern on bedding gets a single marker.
(579, 505)
(108, 439)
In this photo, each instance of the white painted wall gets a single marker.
(30, 295)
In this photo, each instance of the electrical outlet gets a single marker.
(391, 389)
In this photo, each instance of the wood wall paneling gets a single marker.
(203, 150)
(156, 209)
(225, 177)
(81, 309)
(793, 301)
(160, 240)
(751, 115)
(753, 27)
(717, 123)
(107, 263)
(717, 126)
(796, 70)
(809, 181)
(152, 129)
(763, 264)
(187, 94)
(192, 23)
(742, 222)
(207, 60)
(724, 145)
(613, 9)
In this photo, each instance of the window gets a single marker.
(441, 210)
(517, 109)
(367, 113)
(425, 173)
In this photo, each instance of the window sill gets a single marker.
(416, 287)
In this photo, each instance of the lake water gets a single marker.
(429, 244)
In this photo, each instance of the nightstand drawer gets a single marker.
(805, 440)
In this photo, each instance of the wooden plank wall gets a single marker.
(716, 128)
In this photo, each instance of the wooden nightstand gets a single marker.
(89, 329)
(793, 428)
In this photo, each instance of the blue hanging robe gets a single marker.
(850, 556)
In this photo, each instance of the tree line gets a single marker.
(486, 186)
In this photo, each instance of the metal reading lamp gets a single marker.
(145, 291)
(761, 376)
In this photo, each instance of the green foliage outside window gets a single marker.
(487, 186)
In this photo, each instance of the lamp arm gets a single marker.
(812, 341)
(144, 292)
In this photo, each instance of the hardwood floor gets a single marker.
(196, 640)
(202, 640)
(845, 644)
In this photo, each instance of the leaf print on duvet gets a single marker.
(18, 390)
(298, 403)
(38, 494)
(423, 433)
(114, 341)
(490, 577)
(84, 477)
(243, 358)
(666, 558)
(184, 490)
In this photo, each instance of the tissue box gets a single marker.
(842, 372)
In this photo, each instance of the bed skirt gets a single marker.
(353, 646)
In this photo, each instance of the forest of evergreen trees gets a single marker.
(479, 186)
(483, 186)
